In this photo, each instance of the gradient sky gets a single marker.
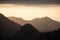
(29, 12)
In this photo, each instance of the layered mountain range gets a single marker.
(13, 28)
(42, 24)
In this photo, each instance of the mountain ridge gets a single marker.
(17, 20)
(43, 24)
(8, 27)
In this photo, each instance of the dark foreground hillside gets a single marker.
(28, 32)
(7, 27)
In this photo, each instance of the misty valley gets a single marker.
(13, 28)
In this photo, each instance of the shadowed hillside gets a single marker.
(52, 35)
(8, 27)
(27, 32)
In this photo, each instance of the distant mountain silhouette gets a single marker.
(17, 20)
(45, 24)
(27, 32)
(7, 27)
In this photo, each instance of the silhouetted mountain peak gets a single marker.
(1, 15)
(27, 32)
(8, 27)
(27, 25)
(28, 28)
(2, 18)
(47, 18)
(42, 19)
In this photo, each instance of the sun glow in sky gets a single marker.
(30, 12)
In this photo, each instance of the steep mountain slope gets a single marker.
(8, 27)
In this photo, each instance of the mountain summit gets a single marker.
(45, 24)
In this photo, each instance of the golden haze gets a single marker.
(30, 12)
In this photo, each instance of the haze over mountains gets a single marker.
(42, 24)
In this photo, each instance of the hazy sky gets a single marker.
(29, 12)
